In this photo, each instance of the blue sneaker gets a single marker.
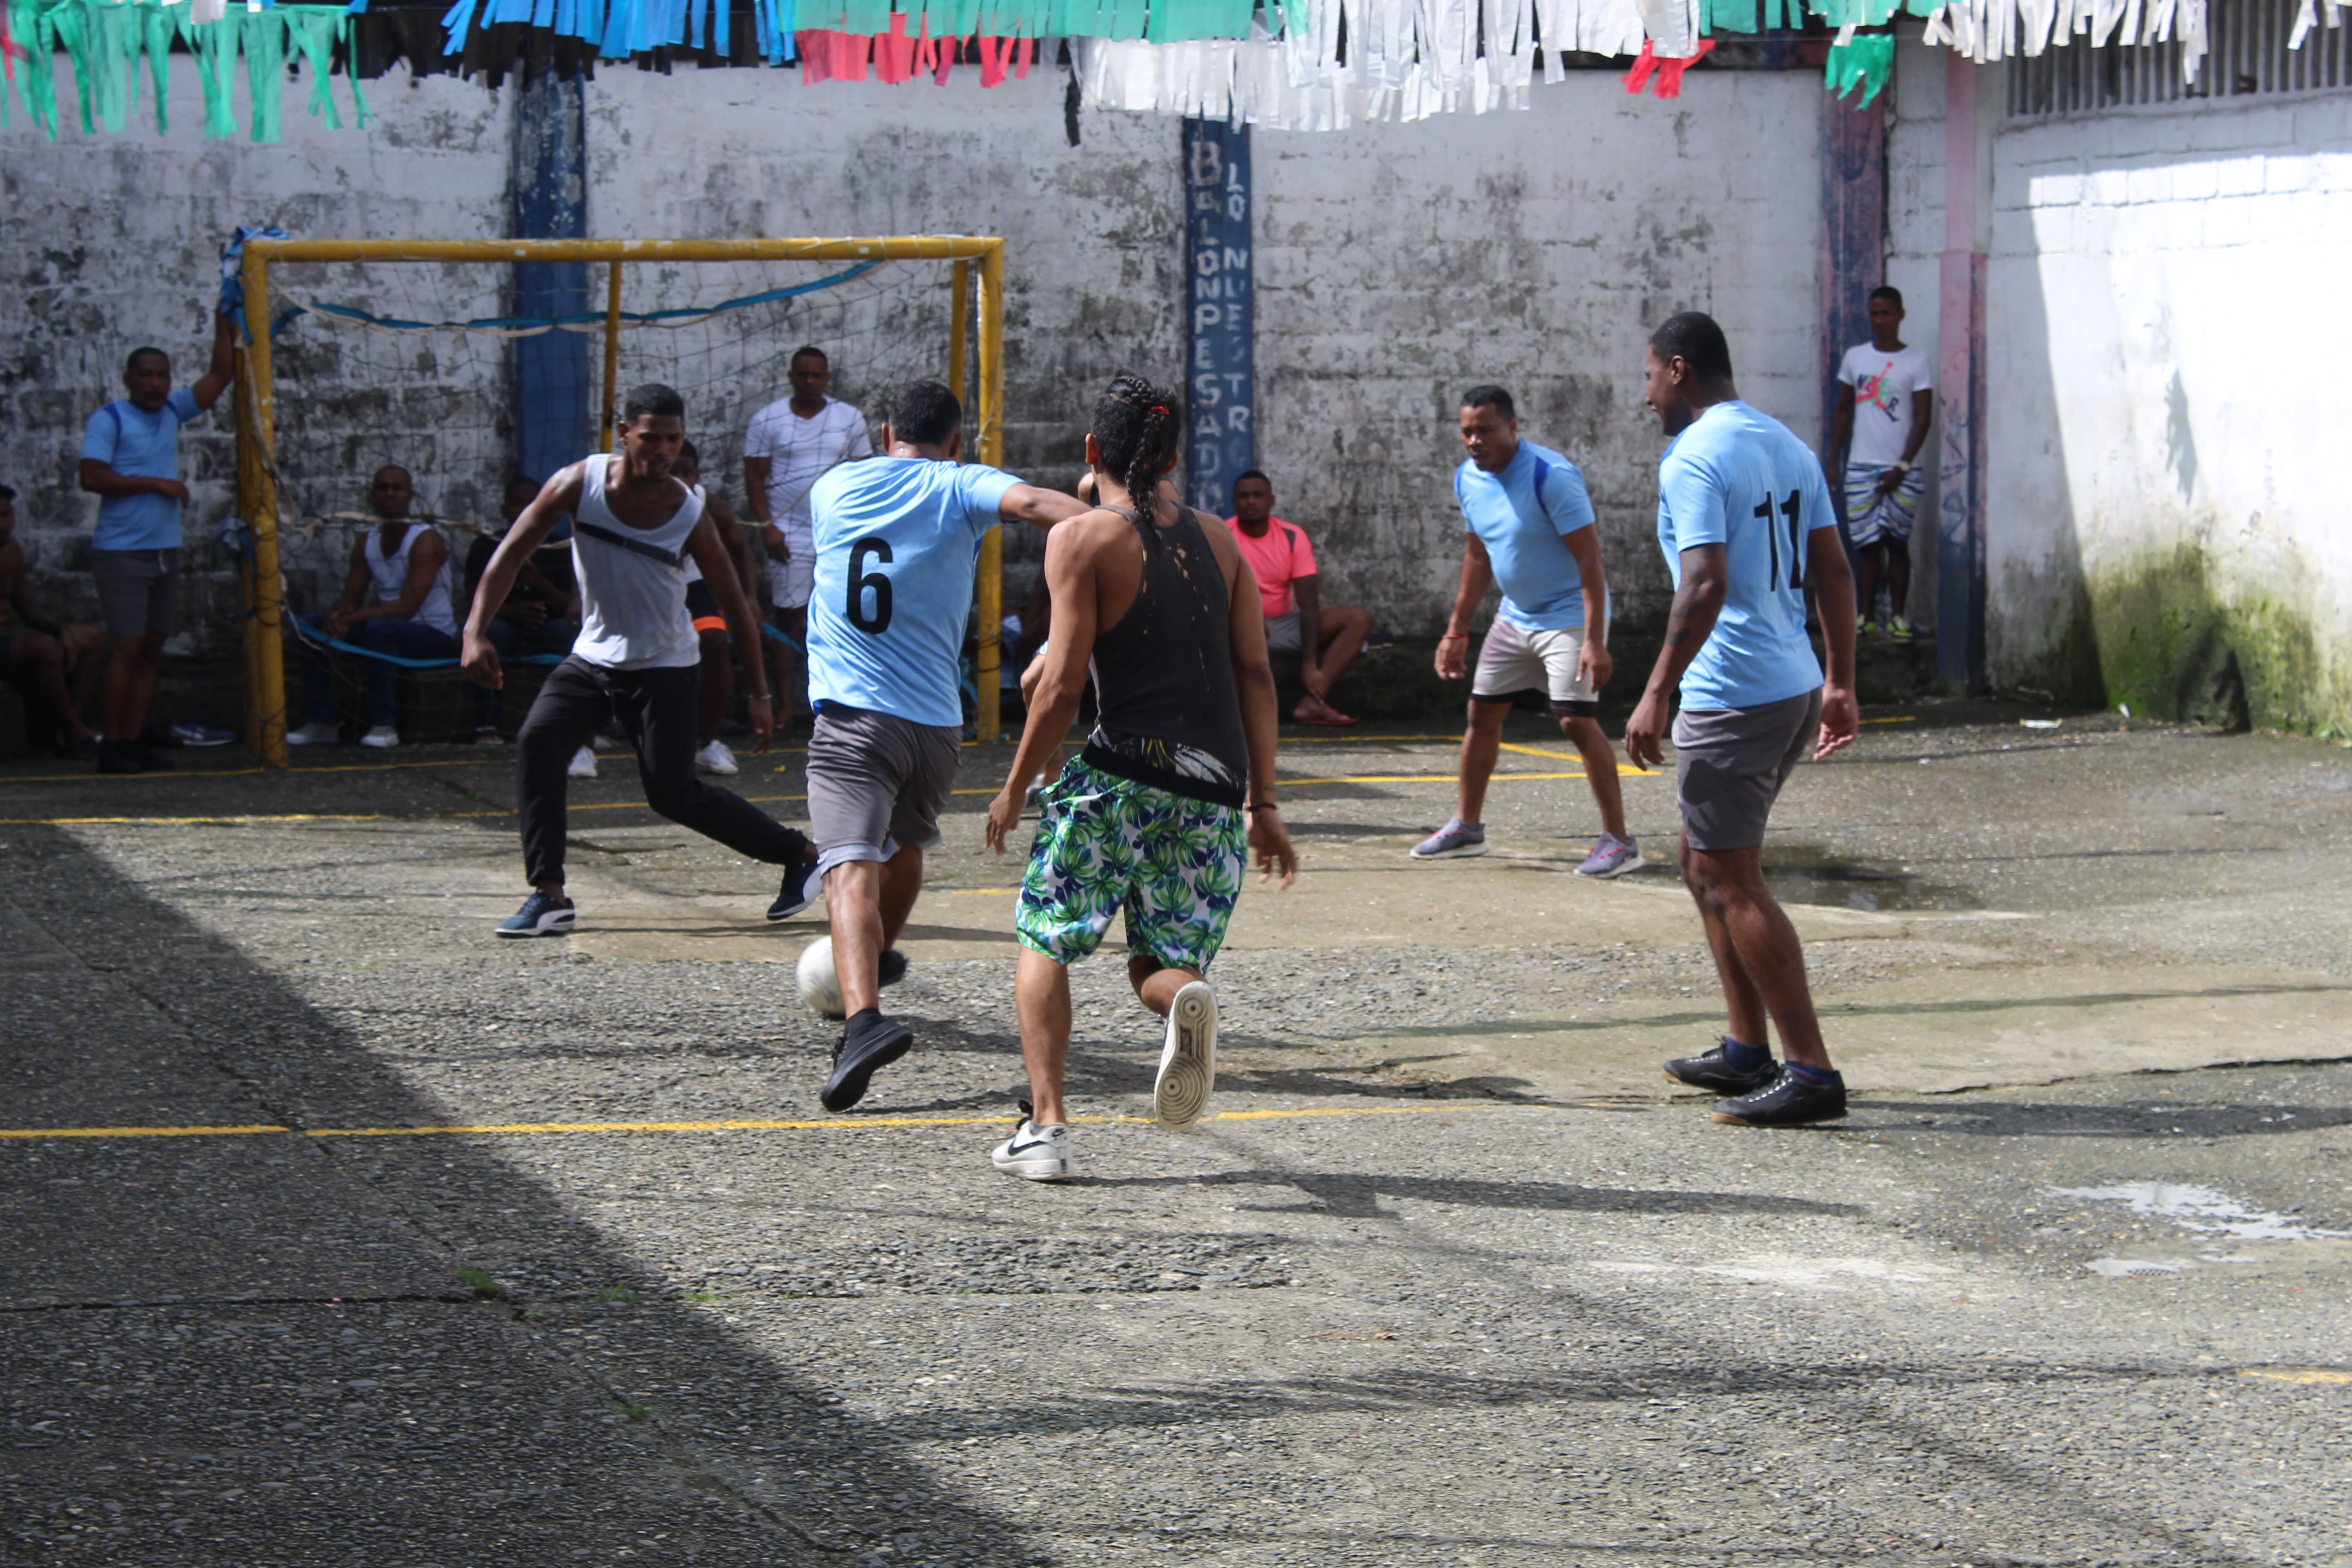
(1612, 857)
(202, 735)
(800, 889)
(540, 915)
(1455, 841)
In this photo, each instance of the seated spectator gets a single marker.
(412, 617)
(1325, 639)
(542, 614)
(55, 663)
(710, 625)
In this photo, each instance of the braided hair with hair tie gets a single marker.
(1136, 426)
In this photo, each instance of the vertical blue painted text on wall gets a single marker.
(1218, 379)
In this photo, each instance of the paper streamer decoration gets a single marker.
(103, 40)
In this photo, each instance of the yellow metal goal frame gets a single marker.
(257, 404)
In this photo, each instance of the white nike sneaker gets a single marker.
(1187, 1062)
(1036, 1154)
(382, 738)
(318, 733)
(715, 758)
(584, 764)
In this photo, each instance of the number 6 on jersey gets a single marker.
(862, 583)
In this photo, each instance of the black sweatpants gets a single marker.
(659, 709)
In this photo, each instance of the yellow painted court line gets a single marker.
(2296, 1374)
(39, 1134)
(1625, 769)
(244, 820)
(527, 1129)
(1898, 718)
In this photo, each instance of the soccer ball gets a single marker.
(820, 987)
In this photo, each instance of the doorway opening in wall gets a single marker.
(2250, 52)
(401, 354)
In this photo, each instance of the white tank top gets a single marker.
(391, 574)
(633, 612)
(694, 567)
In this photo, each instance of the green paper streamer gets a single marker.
(163, 27)
(313, 32)
(264, 68)
(1866, 63)
(213, 45)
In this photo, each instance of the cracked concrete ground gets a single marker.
(1456, 1278)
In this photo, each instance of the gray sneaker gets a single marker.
(1612, 857)
(1455, 841)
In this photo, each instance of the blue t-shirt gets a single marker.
(131, 441)
(896, 544)
(1739, 478)
(1522, 530)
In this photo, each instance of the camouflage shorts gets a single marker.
(1173, 863)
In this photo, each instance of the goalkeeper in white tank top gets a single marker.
(635, 527)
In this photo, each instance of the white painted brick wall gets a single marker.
(2165, 329)
(1396, 265)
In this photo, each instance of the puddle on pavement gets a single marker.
(2204, 1211)
(1798, 874)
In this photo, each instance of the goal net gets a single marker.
(468, 370)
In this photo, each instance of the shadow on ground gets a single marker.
(266, 1349)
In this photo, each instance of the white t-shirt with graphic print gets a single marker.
(1882, 385)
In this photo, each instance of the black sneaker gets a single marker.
(540, 915)
(1787, 1102)
(870, 1042)
(114, 757)
(892, 969)
(798, 890)
(1714, 1072)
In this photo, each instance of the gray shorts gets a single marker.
(1282, 633)
(1730, 763)
(876, 783)
(1514, 659)
(138, 591)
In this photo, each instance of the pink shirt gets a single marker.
(1277, 558)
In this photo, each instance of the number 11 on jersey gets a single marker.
(1790, 509)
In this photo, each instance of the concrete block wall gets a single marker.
(111, 242)
(1400, 265)
(1397, 265)
(2166, 518)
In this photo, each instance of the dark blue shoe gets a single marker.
(1787, 1101)
(801, 886)
(872, 1040)
(1713, 1071)
(540, 915)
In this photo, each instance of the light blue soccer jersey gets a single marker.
(896, 542)
(131, 441)
(1522, 530)
(1739, 478)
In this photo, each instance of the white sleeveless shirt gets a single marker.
(391, 574)
(632, 581)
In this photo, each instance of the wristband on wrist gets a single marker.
(1265, 806)
(1454, 637)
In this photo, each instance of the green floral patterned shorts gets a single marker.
(1173, 863)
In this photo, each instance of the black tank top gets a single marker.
(1168, 713)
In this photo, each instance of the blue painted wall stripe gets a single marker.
(1219, 384)
(548, 195)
